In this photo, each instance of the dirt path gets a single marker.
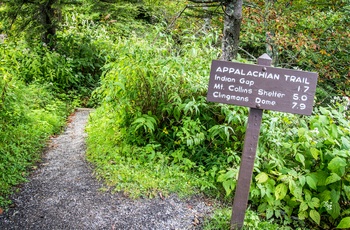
(63, 194)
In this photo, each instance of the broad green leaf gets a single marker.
(269, 213)
(301, 132)
(281, 191)
(303, 215)
(300, 158)
(311, 182)
(335, 195)
(345, 143)
(229, 186)
(344, 223)
(262, 190)
(314, 203)
(332, 178)
(295, 190)
(262, 207)
(346, 212)
(334, 131)
(342, 153)
(323, 110)
(307, 195)
(221, 178)
(337, 165)
(302, 180)
(292, 172)
(315, 216)
(319, 177)
(255, 192)
(335, 210)
(278, 213)
(283, 178)
(224, 175)
(261, 178)
(329, 141)
(177, 113)
(323, 120)
(315, 153)
(347, 191)
(303, 206)
(325, 195)
(288, 210)
(230, 174)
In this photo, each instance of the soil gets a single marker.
(63, 194)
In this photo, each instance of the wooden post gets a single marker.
(247, 163)
(259, 87)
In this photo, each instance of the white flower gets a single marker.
(327, 205)
(315, 131)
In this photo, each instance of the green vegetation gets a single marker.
(29, 113)
(151, 127)
(39, 87)
(252, 221)
(153, 132)
(309, 35)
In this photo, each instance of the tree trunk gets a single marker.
(207, 19)
(232, 27)
(271, 48)
(47, 14)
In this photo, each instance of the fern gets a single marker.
(147, 122)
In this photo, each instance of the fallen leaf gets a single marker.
(1, 211)
(195, 221)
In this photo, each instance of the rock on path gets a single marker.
(63, 194)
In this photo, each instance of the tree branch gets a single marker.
(246, 52)
(206, 1)
(203, 5)
(177, 16)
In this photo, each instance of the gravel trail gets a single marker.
(63, 194)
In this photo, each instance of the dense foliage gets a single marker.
(29, 113)
(153, 131)
(149, 121)
(310, 35)
(39, 86)
(307, 34)
(145, 117)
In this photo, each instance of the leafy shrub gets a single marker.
(221, 220)
(142, 100)
(154, 109)
(24, 130)
(302, 170)
(73, 66)
(29, 114)
(310, 36)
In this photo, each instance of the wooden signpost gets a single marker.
(258, 87)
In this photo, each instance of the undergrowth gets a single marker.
(39, 87)
(155, 132)
(29, 114)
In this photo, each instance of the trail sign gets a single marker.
(258, 87)
(262, 87)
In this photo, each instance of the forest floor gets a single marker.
(63, 194)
